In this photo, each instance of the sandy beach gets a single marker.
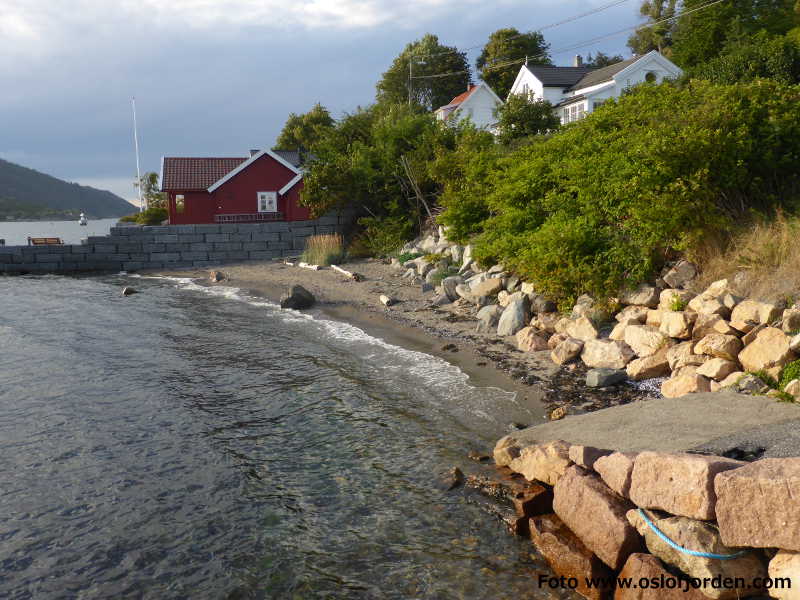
(445, 331)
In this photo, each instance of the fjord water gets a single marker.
(188, 442)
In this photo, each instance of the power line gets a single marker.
(575, 46)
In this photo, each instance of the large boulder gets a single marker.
(794, 344)
(505, 450)
(540, 304)
(597, 516)
(546, 321)
(644, 295)
(515, 316)
(682, 355)
(487, 287)
(616, 470)
(771, 348)
(604, 377)
(568, 556)
(681, 274)
(676, 324)
(586, 456)
(707, 324)
(633, 313)
(449, 285)
(582, 329)
(488, 317)
(791, 320)
(757, 505)
(681, 484)
(566, 350)
(719, 346)
(718, 369)
(531, 340)
(785, 566)
(758, 312)
(671, 299)
(466, 260)
(297, 298)
(646, 567)
(606, 354)
(655, 365)
(645, 340)
(702, 537)
(543, 462)
(618, 333)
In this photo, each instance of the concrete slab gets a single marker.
(674, 424)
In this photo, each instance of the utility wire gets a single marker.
(550, 26)
(510, 62)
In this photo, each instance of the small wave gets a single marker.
(435, 373)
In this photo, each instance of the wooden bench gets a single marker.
(45, 241)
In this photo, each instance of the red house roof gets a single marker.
(188, 174)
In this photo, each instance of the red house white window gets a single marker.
(267, 202)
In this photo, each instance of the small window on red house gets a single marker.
(267, 201)
(180, 204)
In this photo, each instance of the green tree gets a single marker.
(436, 75)
(151, 194)
(657, 36)
(303, 131)
(510, 45)
(522, 116)
(601, 60)
(760, 57)
(702, 35)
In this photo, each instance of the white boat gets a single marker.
(83, 220)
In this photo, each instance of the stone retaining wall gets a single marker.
(591, 523)
(132, 248)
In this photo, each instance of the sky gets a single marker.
(219, 77)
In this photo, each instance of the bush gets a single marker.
(150, 216)
(324, 250)
(437, 278)
(790, 373)
(407, 256)
(602, 204)
(383, 236)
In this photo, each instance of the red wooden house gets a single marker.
(264, 187)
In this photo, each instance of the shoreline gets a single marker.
(413, 322)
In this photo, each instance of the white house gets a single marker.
(477, 104)
(578, 90)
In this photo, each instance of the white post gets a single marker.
(136, 146)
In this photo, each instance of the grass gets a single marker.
(324, 250)
(407, 256)
(762, 262)
(436, 280)
(790, 373)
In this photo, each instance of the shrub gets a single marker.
(434, 258)
(324, 250)
(151, 216)
(383, 236)
(407, 256)
(790, 373)
(677, 303)
(601, 205)
(437, 278)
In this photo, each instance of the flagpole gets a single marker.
(136, 146)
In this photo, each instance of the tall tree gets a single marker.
(659, 35)
(601, 59)
(151, 194)
(436, 74)
(702, 35)
(509, 45)
(303, 131)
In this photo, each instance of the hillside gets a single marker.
(26, 193)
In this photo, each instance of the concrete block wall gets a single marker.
(133, 248)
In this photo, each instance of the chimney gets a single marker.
(254, 151)
(578, 62)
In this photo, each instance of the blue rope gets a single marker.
(660, 534)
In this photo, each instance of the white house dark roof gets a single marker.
(597, 76)
(558, 76)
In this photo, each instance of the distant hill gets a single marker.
(26, 193)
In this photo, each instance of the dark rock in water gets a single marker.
(217, 276)
(533, 501)
(452, 479)
(128, 291)
(478, 457)
(297, 298)
(598, 378)
(517, 426)
(450, 348)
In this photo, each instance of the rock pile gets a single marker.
(748, 512)
(700, 342)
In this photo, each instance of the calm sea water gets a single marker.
(16, 233)
(188, 442)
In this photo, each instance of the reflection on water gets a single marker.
(180, 444)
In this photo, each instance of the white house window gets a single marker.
(267, 201)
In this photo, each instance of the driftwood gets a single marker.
(304, 265)
(348, 274)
